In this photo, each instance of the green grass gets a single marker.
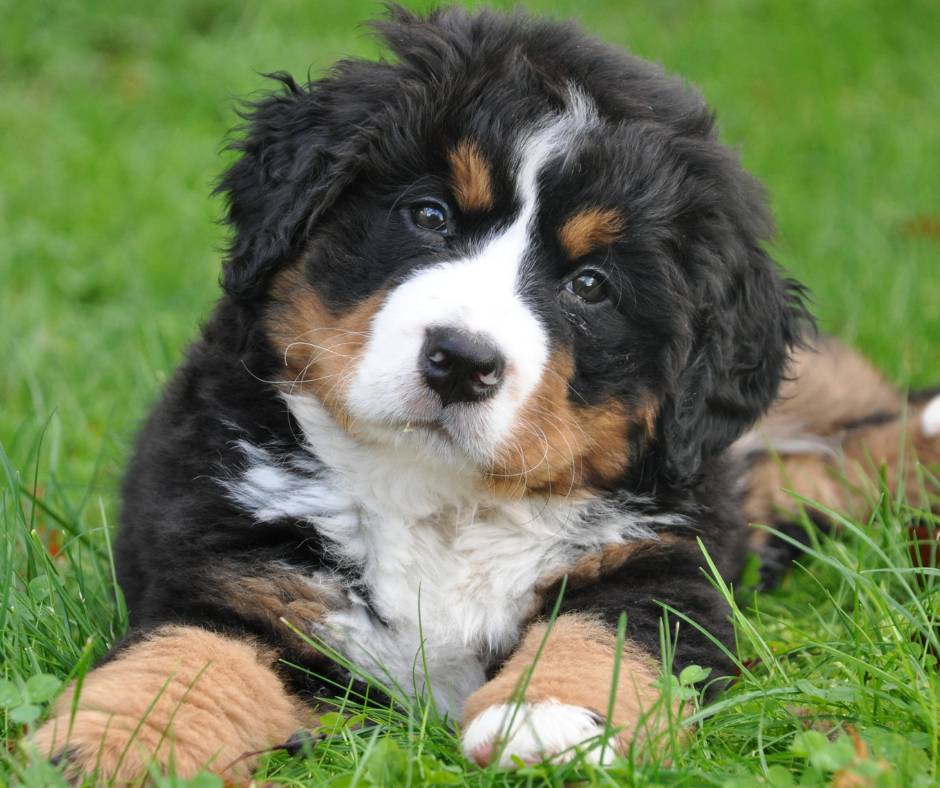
(112, 115)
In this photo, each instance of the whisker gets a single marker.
(322, 348)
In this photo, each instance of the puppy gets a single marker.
(497, 320)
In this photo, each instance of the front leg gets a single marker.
(181, 698)
(568, 694)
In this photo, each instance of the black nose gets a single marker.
(460, 367)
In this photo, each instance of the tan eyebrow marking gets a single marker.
(471, 177)
(590, 229)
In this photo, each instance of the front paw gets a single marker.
(181, 700)
(507, 733)
(94, 743)
(568, 674)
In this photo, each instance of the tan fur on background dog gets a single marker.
(829, 386)
(847, 480)
(815, 451)
(898, 446)
(213, 700)
(576, 667)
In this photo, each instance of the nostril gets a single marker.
(438, 358)
(490, 378)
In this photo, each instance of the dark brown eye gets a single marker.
(590, 286)
(430, 216)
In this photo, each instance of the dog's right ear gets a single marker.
(296, 159)
(302, 145)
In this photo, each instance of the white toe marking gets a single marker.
(930, 418)
(533, 731)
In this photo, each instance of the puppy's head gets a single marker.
(514, 249)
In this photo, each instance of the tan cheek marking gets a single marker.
(558, 447)
(590, 229)
(205, 700)
(576, 667)
(471, 177)
(608, 426)
(320, 349)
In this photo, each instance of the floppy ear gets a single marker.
(301, 147)
(749, 318)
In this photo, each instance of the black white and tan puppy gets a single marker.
(496, 313)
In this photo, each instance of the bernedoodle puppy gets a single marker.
(496, 328)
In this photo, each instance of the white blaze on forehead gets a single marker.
(480, 294)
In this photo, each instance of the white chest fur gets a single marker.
(449, 572)
(458, 582)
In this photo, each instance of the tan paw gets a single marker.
(118, 749)
(183, 700)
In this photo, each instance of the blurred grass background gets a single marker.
(112, 117)
(113, 113)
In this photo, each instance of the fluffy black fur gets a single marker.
(699, 315)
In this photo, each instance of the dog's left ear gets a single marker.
(748, 319)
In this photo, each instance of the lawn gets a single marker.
(112, 117)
